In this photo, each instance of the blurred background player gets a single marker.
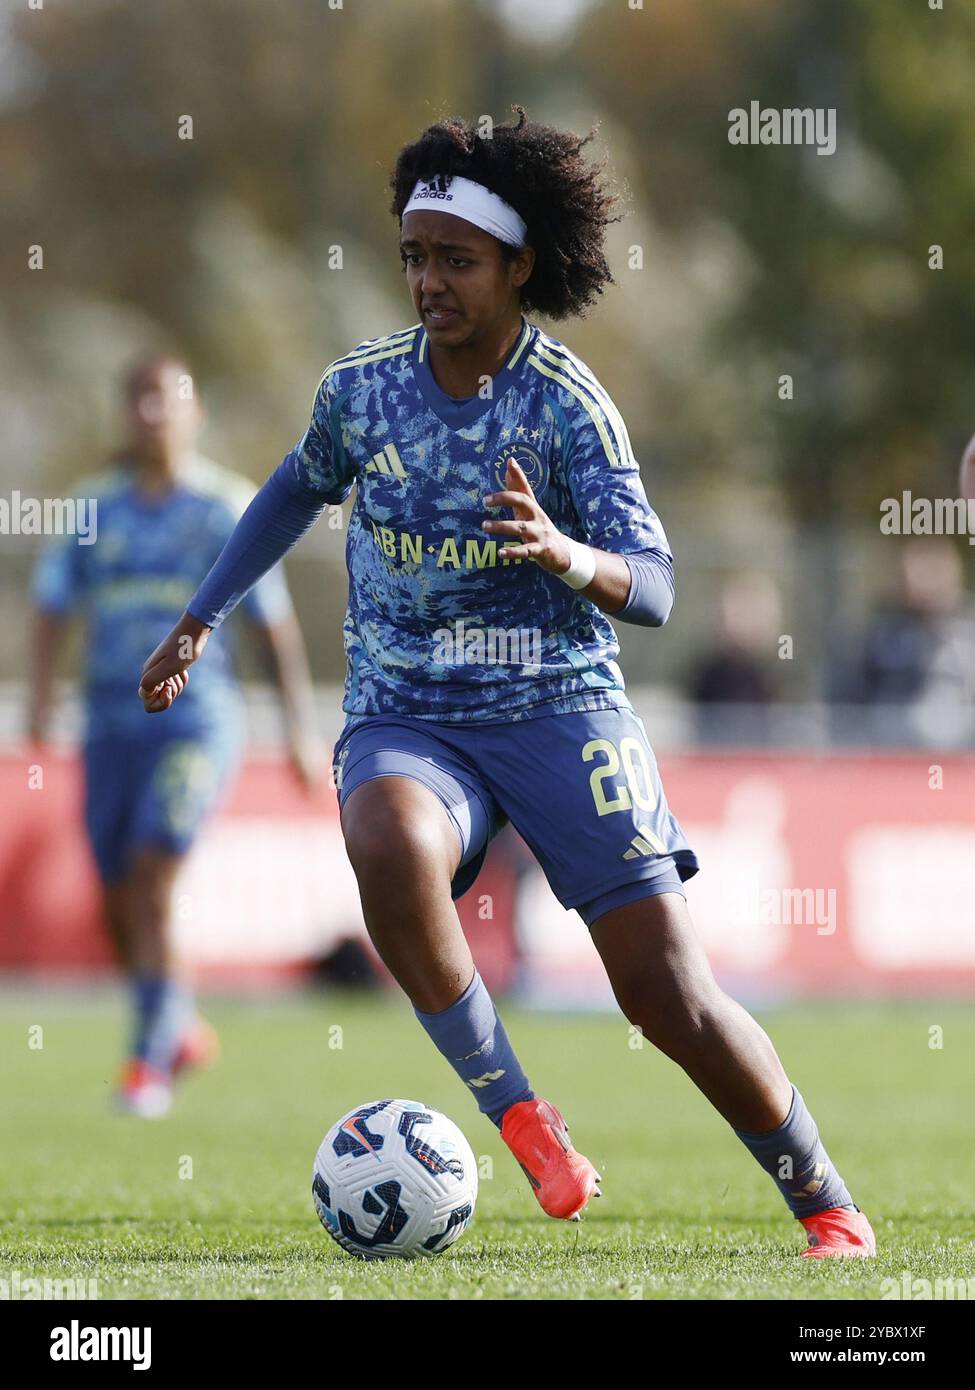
(163, 514)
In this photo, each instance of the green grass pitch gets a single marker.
(686, 1213)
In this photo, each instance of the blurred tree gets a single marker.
(839, 294)
(756, 261)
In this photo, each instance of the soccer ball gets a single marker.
(394, 1178)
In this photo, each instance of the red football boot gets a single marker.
(199, 1048)
(562, 1179)
(144, 1090)
(839, 1231)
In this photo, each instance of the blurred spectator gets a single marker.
(914, 664)
(735, 681)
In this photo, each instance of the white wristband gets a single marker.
(582, 565)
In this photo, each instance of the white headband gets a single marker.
(473, 202)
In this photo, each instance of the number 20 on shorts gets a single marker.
(631, 756)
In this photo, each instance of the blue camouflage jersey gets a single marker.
(134, 581)
(438, 626)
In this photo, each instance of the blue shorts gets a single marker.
(582, 790)
(151, 793)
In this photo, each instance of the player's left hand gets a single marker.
(166, 672)
(541, 540)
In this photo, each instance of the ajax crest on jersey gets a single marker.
(530, 462)
(394, 1178)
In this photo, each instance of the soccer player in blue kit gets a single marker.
(150, 786)
(498, 502)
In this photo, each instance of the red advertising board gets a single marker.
(834, 874)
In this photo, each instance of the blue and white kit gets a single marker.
(498, 660)
(151, 781)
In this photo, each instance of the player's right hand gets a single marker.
(166, 673)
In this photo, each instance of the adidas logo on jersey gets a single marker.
(387, 461)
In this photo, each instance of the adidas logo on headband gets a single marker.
(434, 188)
(473, 202)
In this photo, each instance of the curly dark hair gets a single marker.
(541, 173)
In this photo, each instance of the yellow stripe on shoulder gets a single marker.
(588, 405)
(373, 350)
(377, 344)
(378, 356)
(366, 351)
(512, 361)
(560, 356)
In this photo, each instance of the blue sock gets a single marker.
(163, 1008)
(794, 1157)
(472, 1038)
